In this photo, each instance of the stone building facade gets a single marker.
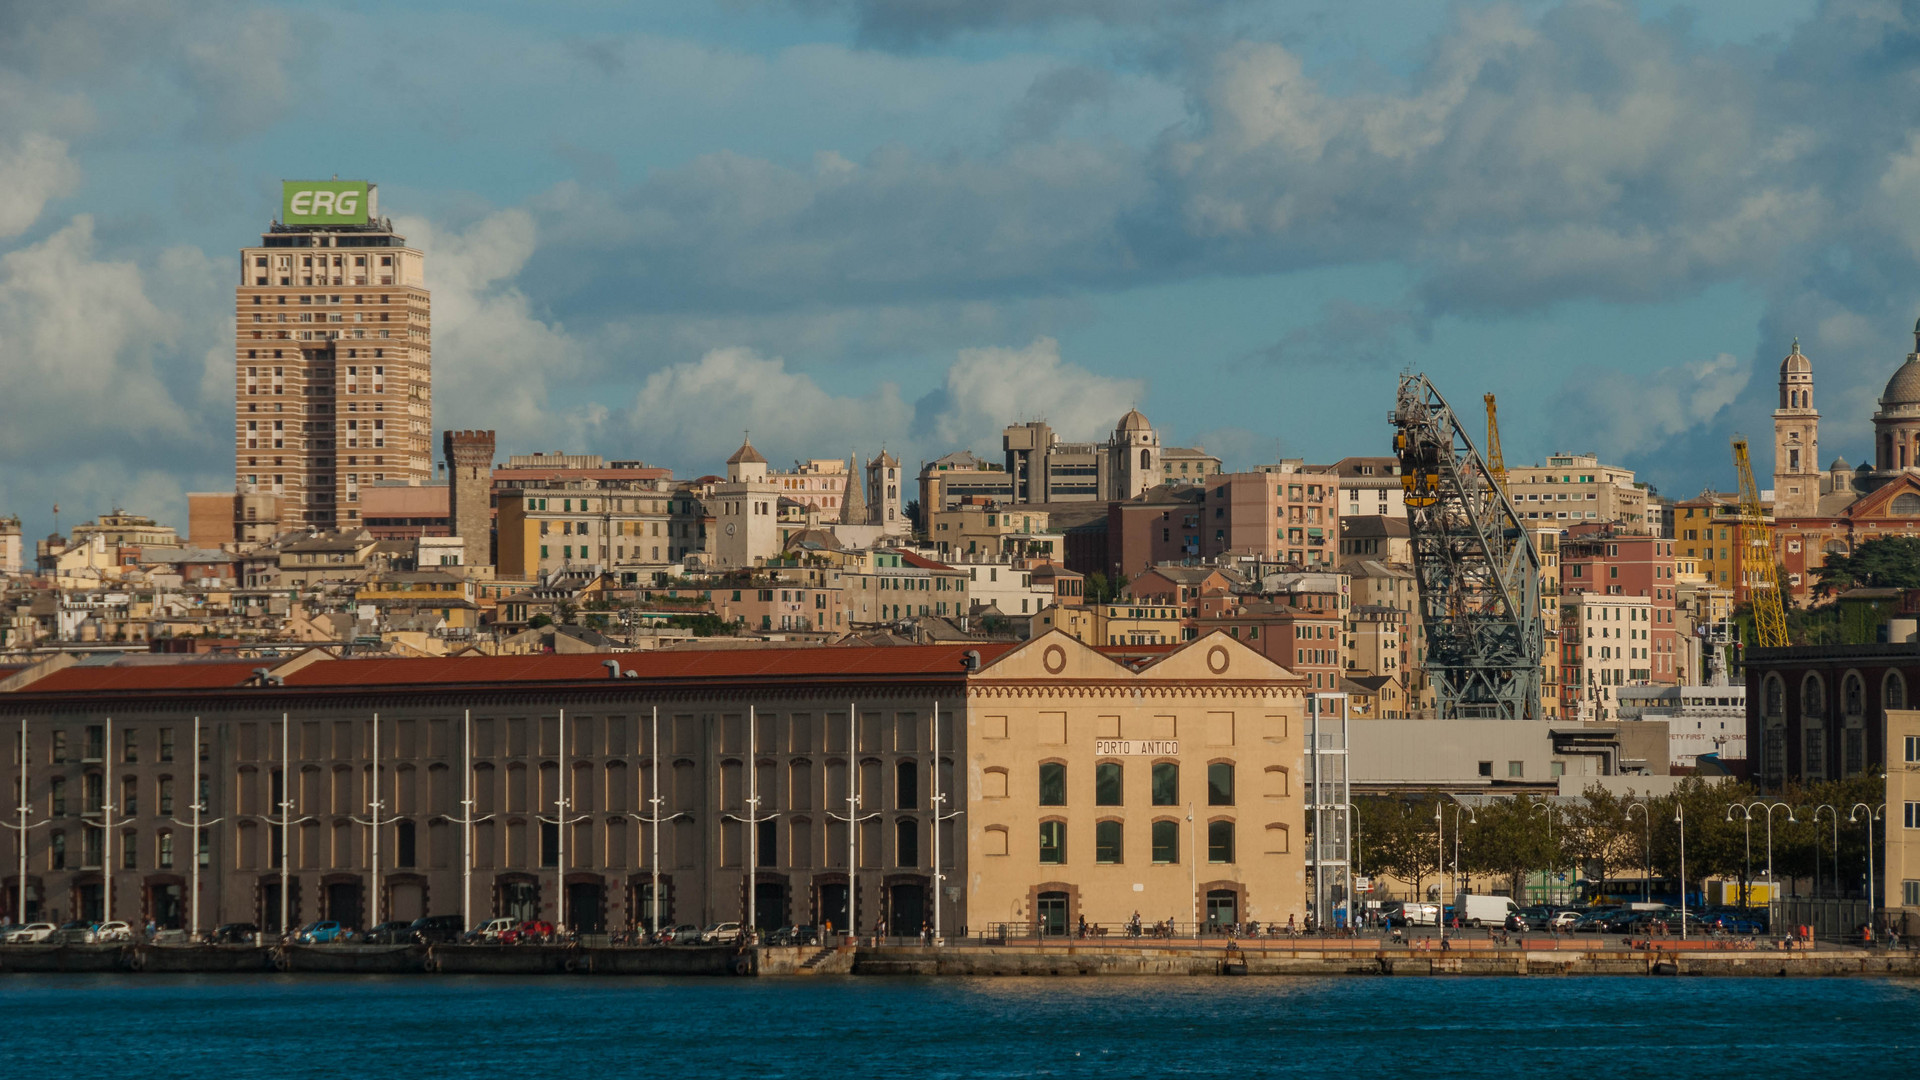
(558, 761)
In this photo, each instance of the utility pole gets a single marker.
(654, 821)
(752, 820)
(285, 821)
(561, 822)
(939, 802)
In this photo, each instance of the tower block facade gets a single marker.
(469, 457)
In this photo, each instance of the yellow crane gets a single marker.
(1758, 570)
(1496, 465)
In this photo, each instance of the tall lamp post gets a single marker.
(1816, 846)
(752, 819)
(1353, 863)
(1746, 873)
(285, 822)
(853, 818)
(1550, 811)
(561, 823)
(938, 802)
(1458, 808)
(1646, 847)
(372, 821)
(467, 820)
(196, 823)
(20, 829)
(1872, 884)
(1772, 889)
(1680, 818)
(653, 821)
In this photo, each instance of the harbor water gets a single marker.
(451, 1026)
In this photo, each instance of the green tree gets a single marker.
(1886, 562)
(1398, 838)
(1509, 838)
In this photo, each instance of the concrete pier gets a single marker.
(966, 960)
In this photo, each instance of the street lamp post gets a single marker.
(372, 821)
(1440, 865)
(1473, 817)
(752, 820)
(20, 830)
(561, 822)
(853, 818)
(199, 807)
(1872, 813)
(1550, 811)
(1353, 863)
(1646, 847)
(939, 802)
(467, 821)
(653, 821)
(1746, 873)
(1770, 808)
(1680, 818)
(1835, 813)
(285, 821)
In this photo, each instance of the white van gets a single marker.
(1484, 910)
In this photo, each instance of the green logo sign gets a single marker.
(324, 202)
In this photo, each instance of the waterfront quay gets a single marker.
(1527, 955)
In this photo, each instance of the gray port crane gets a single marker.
(1475, 566)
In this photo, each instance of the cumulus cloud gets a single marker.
(988, 388)
(36, 169)
(1635, 416)
(914, 23)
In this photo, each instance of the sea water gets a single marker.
(423, 1027)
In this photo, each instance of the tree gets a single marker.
(1509, 837)
(1886, 562)
(1398, 838)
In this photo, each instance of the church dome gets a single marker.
(1133, 421)
(1904, 387)
(1796, 361)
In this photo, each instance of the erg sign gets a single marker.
(326, 202)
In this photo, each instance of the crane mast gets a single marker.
(1496, 463)
(1475, 566)
(1758, 570)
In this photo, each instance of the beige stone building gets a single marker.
(333, 368)
(1095, 791)
(1902, 895)
(563, 755)
(1572, 488)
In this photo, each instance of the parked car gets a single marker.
(1409, 913)
(721, 933)
(490, 931)
(77, 932)
(113, 931)
(1595, 920)
(1564, 920)
(323, 932)
(435, 929)
(234, 933)
(683, 934)
(1516, 923)
(1736, 921)
(390, 933)
(794, 935)
(527, 932)
(32, 934)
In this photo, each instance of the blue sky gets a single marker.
(848, 223)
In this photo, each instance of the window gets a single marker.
(1913, 815)
(1053, 784)
(1910, 893)
(129, 747)
(57, 853)
(1166, 841)
(1516, 769)
(1220, 785)
(1053, 843)
(1486, 768)
(1107, 845)
(1913, 749)
(906, 789)
(59, 794)
(1220, 841)
(166, 796)
(1895, 696)
(1106, 784)
(59, 747)
(906, 843)
(1813, 696)
(166, 744)
(404, 841)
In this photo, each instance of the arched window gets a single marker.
(1053, 842)
(1166, 841)
(1853, 695)
(1107, 786)
(1220, 841)
(1166, 783)
(1108, 845)
(1775, 696)
(1146, 459)
(1813, 698)
(1220, 783)
(1053, 784)
(1895, 695)
(1905, 505)
(906, 842)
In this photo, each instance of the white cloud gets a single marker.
(1635, 415)
(36, 169)
(988, 388)
(694, 413)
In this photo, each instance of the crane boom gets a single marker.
(1474, 565)
(1496, 463)
(1758, 570)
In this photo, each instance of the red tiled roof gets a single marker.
(921, 562)
(210, 675)
(689, 665)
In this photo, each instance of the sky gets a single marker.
(855, 224)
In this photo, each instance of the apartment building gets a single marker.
(1606, 642)
(884, 586)
(1578, 487)
(333, 358)
(548, 527)
(1612, 562)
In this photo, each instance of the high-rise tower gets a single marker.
(469, 458)
(1796, 441)
(333, 346)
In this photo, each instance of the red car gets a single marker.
(531, 932)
